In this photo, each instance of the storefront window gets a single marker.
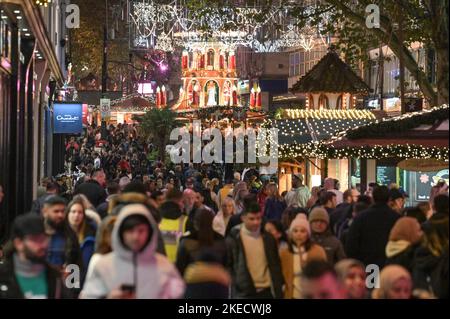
(314, 176)
(418, 184)
(339, 169)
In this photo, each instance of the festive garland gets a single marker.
(130, 109)
(320, 150)
(405, 122)
(150, 99)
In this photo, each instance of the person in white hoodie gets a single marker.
(134, 269)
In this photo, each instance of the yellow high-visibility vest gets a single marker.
(172, 230)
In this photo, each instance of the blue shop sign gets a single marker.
(67, 118)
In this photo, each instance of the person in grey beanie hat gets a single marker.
(321, 234)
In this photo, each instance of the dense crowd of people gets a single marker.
(140, 228)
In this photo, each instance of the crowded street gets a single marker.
(224, 150)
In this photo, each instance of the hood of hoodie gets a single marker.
(119, 249)
(396, 247)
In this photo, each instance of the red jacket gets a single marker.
(75, 146)
(124, 165)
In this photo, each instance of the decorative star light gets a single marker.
(164, 43)
(424, 178)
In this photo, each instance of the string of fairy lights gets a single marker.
(323, 151)
(331, 123)
(119, 101)
(326, 114)
(321, 127)
(264, 28)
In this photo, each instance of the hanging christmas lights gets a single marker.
(327, 114)
(323, 151)
(261, 28)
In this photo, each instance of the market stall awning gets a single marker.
(305, 126)
(302, 131)
(427, 128)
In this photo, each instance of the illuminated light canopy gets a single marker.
(325, 114)
(264, 29)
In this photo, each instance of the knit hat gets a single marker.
(406, 228)
(28, 224)
(300, 221)
(319, 213)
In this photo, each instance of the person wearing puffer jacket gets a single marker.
(404, 239)
(133, 269)
(321, 235)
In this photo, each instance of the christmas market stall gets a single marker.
(307, 128)
(123, 109)
(331, 89)
(410, 150)
(331, 84)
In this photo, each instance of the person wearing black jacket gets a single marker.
(112, 191)
(253, 259)
(202, 239)
(93, 188)
(343, 209)
(440, 207)
(237, 218)
(431, 259)
(369, 233)
(25, 272)
(404, 239)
